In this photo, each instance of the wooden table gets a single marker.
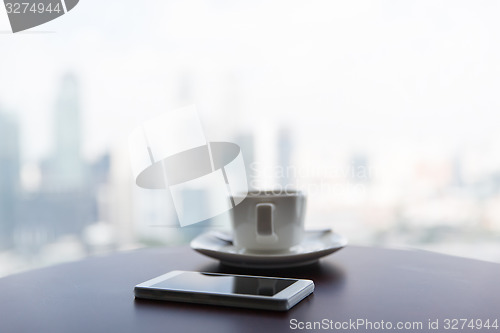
(356, 283)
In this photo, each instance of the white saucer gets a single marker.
(316, 244)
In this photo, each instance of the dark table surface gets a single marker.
(356, 283)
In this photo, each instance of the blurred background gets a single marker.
(385, 112)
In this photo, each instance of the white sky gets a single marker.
(363, 75)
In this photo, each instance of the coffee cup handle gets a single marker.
(265, 223)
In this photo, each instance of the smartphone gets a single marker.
(258, 292)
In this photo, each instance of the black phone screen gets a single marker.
(224, 284)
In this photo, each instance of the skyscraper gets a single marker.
(66, 169)
(66, 202)
(9, 177)
(246, 143)
(285, 150)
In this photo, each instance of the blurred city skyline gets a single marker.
(425, 79)
(312, 92)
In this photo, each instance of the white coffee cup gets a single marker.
(269, 221)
